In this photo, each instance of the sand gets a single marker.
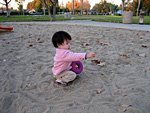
(27, 83)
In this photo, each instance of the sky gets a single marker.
(92, 2)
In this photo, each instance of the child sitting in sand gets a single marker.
(63, 58)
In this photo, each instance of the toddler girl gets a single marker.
(63, 58)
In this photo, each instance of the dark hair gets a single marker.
(59, 38)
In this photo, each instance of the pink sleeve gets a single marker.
(70, 56)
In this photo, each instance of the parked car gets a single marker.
(32, 12)
(118, 12)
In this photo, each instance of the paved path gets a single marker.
(90, 23)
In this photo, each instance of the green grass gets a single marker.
(20, 18)
(109, 18)
(100, 18)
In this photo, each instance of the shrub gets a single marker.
(118, 14)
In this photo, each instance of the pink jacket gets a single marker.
(63, 59)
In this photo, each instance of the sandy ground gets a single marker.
(27, 83)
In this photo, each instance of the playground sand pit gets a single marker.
(117, 80)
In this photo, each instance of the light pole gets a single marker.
(82, 8)
(73, 18)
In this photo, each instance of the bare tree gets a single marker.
(6, 4)
(53, 2)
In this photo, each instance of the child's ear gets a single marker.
(58, 45)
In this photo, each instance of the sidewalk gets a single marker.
(90, 23)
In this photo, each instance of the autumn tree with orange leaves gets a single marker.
(78, 5)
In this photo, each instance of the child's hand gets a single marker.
(90, 55)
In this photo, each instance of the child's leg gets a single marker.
(66, 77)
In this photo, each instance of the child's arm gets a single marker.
(90, 55)
(70, 56)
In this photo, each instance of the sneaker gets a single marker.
(61, 84)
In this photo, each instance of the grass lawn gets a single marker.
(20, 18)
(101, 18)
(109, 18)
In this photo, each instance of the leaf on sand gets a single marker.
(96, 61)
(38, 39)
(98, 91)
(101, 64)
(122, 110)
(144, 70)
(141, 55)
(124, 55)
(106, 44)
(7, 42)
(126, 105)
(85, 44)
(103, 44)
(30, 45)
(143, 45)
(98, 42)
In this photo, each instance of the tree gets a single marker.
(113, 7)
(20, 7)
(146, 6)
(39, 5)
(78, 5)
(6, 4)
(137, 6)
(103, 7)
(48, 5)
(128, 5)
(20, 3)
(36, 4)
(29, 5)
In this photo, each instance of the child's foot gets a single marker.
(61, 84)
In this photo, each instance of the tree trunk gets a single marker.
(54, 9)
(123, 7)
(139, 2)
(8, 14)
(44, 9)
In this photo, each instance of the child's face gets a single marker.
(65, 45)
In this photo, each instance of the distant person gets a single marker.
(64, 58)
